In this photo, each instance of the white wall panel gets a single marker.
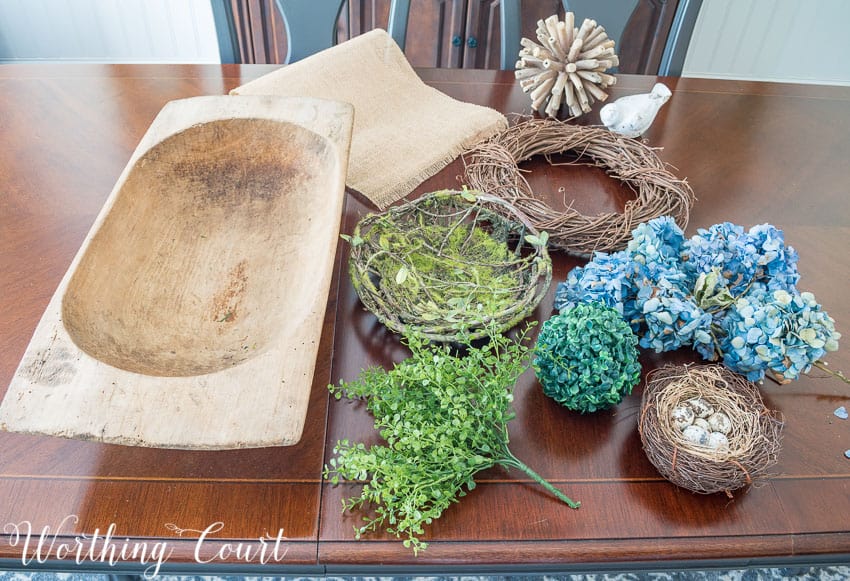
(804, 41)
(129, 31)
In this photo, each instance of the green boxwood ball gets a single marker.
(586, 358)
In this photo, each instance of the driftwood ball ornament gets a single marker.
(567, 67)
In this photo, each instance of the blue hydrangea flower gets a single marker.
(748, 326)
(776, 330)
(607, 279)
(725, 292)
(672, 319)
(657, 245)
(723, 246)
(743, 258)
(776, 263)
(810, 333)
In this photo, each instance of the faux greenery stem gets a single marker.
(511, 460)
(444, 418)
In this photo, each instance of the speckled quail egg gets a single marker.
(696, 434)
(702, 409)
(719, 422)
(703, 424)
(717, 440)
(682, 416)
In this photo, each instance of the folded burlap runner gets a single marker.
(404, 130)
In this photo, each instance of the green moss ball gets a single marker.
(586, 358)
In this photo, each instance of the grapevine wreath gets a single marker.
(492, 167)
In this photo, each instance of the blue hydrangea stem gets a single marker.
(822, 366)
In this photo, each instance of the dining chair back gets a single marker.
(652, 35)
(510, 25)
(311, 26)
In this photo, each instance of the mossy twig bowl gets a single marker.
(449, 264)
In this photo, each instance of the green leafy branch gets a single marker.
(444, 419)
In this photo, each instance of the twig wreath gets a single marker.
(492, 167)
(449, 265)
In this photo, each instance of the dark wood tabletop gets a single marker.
(752, 152)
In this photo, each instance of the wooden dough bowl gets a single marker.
(192, 314)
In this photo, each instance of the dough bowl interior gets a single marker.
(200, 263)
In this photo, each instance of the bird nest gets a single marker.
(448, 264)
(753, 442)
(492, 167)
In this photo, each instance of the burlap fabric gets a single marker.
(404, 130)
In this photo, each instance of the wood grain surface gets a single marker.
(752, 152)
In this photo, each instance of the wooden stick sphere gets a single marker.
(566, 67)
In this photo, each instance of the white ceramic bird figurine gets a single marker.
(633, 114)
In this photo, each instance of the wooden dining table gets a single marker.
(752, 152)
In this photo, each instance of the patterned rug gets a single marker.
(837, 573)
